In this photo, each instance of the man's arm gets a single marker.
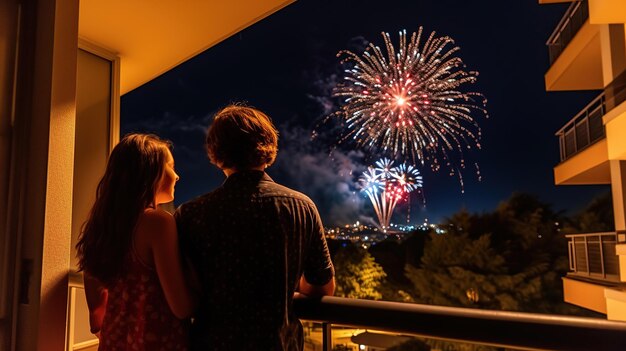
(318, 278)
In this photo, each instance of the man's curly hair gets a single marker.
(241, 138)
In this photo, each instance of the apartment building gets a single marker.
(588, 52)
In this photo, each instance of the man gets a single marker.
(252, 242)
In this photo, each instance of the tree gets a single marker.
(391, 255)
(357, 274)
(460, 271)
(597, 217)
(510, 259)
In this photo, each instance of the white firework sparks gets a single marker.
(386, 185)
(408, 103)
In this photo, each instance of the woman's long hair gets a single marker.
(127, 188)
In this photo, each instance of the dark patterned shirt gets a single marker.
(250, 240)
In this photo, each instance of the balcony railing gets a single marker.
(574, 18)
(516, 330)
(587, 127)
(498, 328)
(593, 256)
(584, 129)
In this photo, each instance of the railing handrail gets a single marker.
(486, 327)
(572, 21)
(573, 7)
(592, 256)
(589, 234)
(585, 111)
(572, 139)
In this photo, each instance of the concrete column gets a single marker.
(613, 43)
(615, 304)
(618, 48)
(618, 190)
(41, 179)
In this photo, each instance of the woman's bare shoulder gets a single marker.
(156, 214)
(155, 221)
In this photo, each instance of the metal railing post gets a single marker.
(587, 256)
(575, 138)
(601, 257)
(588, 129)
(603, 105)
(572, 255)
(327, 339)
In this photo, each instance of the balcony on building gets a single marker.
(575, 51)
(594, 267)
(584, 147)
(597, 279)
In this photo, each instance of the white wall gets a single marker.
(91, 148)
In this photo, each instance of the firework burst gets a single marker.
(386, 185)
(408, 103)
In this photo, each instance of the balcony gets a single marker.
(595, 280)
(593, 256)
(496, 328)
(575, 16)
(583, 147)
(584, 129)
(575, 49)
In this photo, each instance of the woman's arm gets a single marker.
(163, 243)
(97, 296)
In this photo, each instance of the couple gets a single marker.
(232, 259)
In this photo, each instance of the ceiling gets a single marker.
(153, 36)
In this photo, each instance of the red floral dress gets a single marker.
(137, 315)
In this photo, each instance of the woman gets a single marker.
(128, 251)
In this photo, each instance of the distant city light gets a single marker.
(366, 236)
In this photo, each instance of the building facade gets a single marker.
(588, 52)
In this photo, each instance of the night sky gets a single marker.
(285, 65)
